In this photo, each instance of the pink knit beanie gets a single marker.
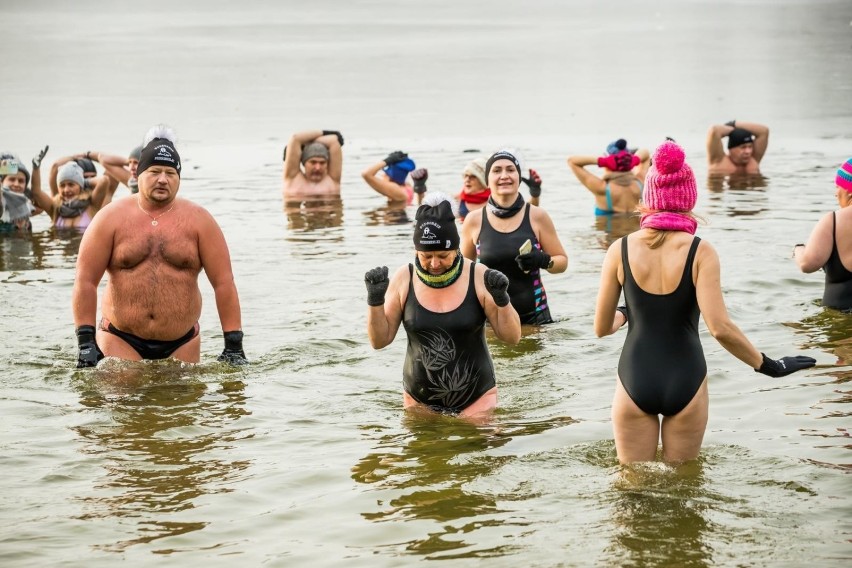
(670, 184)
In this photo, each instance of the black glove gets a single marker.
(420, 176)
(37, 160)
(785, 365)
(623, 310)
(533, 259)
(233, 352)
(377, 284)
(336, 133)
(497, 285)
(534, 183)
(395, 157)
(88, 352)
(731, 123)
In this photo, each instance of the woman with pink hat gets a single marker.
(668, 276)
(830, 246)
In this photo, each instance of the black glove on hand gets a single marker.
(88, 353)
(497, 285)
(37, 160)
(420, 176)
(534, 183)
(623, 310)
(233, 352)
(731, 123)
(336, 133)
(377, 284)
(395, 157)
(533, 259)
(785, 365)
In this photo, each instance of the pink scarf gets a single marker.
(668, 221)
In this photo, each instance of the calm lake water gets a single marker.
(305, 457)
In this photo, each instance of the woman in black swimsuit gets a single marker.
(443, 301)
(830, 246)
(669, 276)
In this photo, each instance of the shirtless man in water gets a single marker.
(313, 164)
(153, 246)
(747, 143)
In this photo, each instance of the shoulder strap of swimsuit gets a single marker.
(690, 258)
(608, 197)
(624, 261)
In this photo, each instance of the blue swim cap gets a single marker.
(399, 171)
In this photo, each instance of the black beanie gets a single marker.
(160, 152)
(738, 137)
(501, 155)
(435, 228)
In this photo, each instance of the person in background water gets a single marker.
(389, 176)
(619, 189)
(516, 238)
(90, 174)
(76, 203)
(16, 206)
(123, 170)
(474, 193)
(747, 143)
(153, 245)
(313, 164)
(669, 277)
(448, 367)
(830, 246)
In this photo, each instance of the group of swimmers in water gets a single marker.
(478, 257)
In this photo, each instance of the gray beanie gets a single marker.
(315, 150)
(71, 171)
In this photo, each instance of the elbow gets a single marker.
(722, 332)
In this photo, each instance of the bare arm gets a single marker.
(393, 191)
(115, 166)
(644, 163)
(549, 240)
(102, 195)
(815, 253)
(708, 287)
(216, 262)
(715, 150)
(761, 137)
(606, 317)
(504, 320)
(470, 233)
(39, 197)
(92, 261)
(578, 167)
(335, 153)
(383, 321)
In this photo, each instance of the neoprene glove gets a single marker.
(233, 352)
(536, 258)
(377, 283)
(37, 160)
(395, 157)
(336, 133)
(534, 183)
(88, 352)
(731, 123)
(785, 365)
(497, 285)
(623, 310)
(420, 176)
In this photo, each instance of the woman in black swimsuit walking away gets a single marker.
(669, 276)
(443, 301)
(830, 246)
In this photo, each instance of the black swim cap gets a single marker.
(501, 155)
(435, 228)
(161, 152)
(738, 137)
(87, 165)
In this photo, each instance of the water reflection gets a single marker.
(163, 438)
(660, 516)
(741, 194)
(433, 466)
(390, 214)
(37, 251)
(314, 214)
(614, 227)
